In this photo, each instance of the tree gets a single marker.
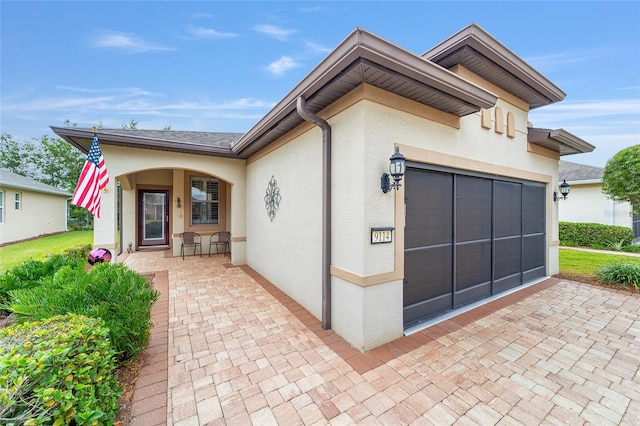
(15, 156)
(621, 177)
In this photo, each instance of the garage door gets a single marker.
(468, 237)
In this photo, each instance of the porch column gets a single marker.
(105, 229)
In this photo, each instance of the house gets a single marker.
(29, 208)
(301, 191)
(588, 203)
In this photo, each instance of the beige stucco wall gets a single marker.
(587, 204)
(366, 278)
(39, 214)
(137, 168)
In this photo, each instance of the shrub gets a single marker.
(623, 274)
(118, 295)
(57, 371)
(79, 252)
(594, 235)
(32, 273)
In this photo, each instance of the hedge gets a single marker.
(594, 235)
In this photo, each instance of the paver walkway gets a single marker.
(241, 352)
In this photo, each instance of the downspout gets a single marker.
(326, 207)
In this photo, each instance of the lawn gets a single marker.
(15, 254)
(584, 263)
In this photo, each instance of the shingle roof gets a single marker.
(205, 143)
(12, 180)
(578, 172)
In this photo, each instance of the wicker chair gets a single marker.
(191, 239)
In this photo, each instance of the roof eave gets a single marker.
(480, 40)
(361, 44)
(59, 192)
(559, 140)
(81, 139)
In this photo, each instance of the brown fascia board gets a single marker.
(76, 136)
(480, 40)
(363, 44)
(554, 138)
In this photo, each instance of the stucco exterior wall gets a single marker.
(587, 204)
(39, 214)
(288, 249)
(367, 278)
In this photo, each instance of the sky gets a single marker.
(221, 66)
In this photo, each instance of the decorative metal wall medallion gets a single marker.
(272, 198)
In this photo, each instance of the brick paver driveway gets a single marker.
(231, 349)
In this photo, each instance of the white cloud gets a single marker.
(282, 65)
(128, 42)
(209, 33)
(274, 31)
(317, 48)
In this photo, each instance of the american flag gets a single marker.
(92, 180)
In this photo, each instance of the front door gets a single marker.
(153, 218)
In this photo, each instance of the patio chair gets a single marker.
(220, 239)
(190, 239)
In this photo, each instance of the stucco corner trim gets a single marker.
(365, 281)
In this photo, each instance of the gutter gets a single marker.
(301, 107)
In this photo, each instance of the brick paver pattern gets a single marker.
(237, 355)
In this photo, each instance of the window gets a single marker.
(1, 206)
(17, 201)
(205, 197)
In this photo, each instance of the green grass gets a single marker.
(584, 263)
(15, 254)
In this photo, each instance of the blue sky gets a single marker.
(220, 66)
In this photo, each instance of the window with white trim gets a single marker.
(205, 199)
(1, 206)
(18, 201)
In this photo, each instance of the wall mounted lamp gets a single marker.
(564, 191)
(178, 202)
(396, 170)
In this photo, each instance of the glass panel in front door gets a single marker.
(154, 213)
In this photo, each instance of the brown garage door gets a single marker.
(468, 237)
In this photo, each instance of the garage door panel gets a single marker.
(533, 252)
(533, 213)
(473, 208)
(429, 208)
(508, 257)
(427, 309)
(508, 209)
(428, 274)
(473, 264)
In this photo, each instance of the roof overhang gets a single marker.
(559, 141)
(476, 50)
(365, 58)
(25, 187)
(81, 139)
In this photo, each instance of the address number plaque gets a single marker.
(381, 235)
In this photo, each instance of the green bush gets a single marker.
(32, 273)
(118, 295)
(623, 274)
(79, 252)
(57, 371)
(594, 235)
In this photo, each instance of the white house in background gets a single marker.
(587, 203)
(29, 208)
(301, 191)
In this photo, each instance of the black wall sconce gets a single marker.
(564, 191)
(178, 202)
(396, 170)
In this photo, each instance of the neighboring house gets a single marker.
(587, 203)
(29, 208)
(301, 194)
